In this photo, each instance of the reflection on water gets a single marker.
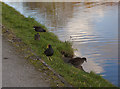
(92, 27)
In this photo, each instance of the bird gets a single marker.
(37, 36)
(39, 29)
(49, 52)
(78, 61)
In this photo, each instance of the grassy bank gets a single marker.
(22, 27)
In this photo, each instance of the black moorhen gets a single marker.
(78, 61)
(49, 51)
(39, 29)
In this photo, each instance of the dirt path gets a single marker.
(17, 72)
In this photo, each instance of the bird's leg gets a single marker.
(50, 58)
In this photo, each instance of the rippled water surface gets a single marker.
(92, 27)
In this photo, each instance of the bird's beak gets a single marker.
(47, 46)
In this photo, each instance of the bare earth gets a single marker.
(17, 72)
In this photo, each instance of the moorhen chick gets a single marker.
(37, 36)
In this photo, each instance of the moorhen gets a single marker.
(49, 51)
(37, 36)
(78, 61)
(39, 29)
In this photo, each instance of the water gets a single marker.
(92, 27)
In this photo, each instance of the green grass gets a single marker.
(22, 27)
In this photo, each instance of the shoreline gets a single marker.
(69, 73)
